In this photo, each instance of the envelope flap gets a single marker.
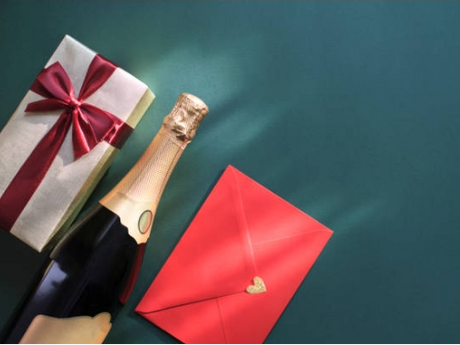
(268, 216)
(212, 259)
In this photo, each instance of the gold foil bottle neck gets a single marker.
(135, 198)
(185, 117)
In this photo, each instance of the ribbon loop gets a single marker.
(54, 83)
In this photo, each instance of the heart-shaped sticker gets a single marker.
(258, 287)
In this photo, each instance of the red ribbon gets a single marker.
(90, 125)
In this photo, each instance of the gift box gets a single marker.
(62, 138)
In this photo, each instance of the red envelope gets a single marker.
(242, 231)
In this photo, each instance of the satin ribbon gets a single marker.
(90, 125)
(133, 274)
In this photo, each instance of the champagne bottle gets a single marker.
(94, 267)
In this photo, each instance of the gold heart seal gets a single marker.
(258, 287)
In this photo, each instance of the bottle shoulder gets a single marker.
(100, 230)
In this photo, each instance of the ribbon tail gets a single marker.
(136, 267)
(47, 104)
(83, 135)
(32, 172)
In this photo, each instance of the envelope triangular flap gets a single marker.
(268, 216)
(212, 259)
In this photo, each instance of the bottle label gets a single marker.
(136, 215)
(72, 330)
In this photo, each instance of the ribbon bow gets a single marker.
(90, 125)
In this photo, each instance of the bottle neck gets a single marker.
(135, 198)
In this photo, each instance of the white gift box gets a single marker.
(68, 182)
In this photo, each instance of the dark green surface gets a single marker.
(348, 110)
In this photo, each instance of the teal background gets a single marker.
(348, 110)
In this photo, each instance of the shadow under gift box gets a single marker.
(69, 91)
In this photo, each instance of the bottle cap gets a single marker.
(186, 116)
